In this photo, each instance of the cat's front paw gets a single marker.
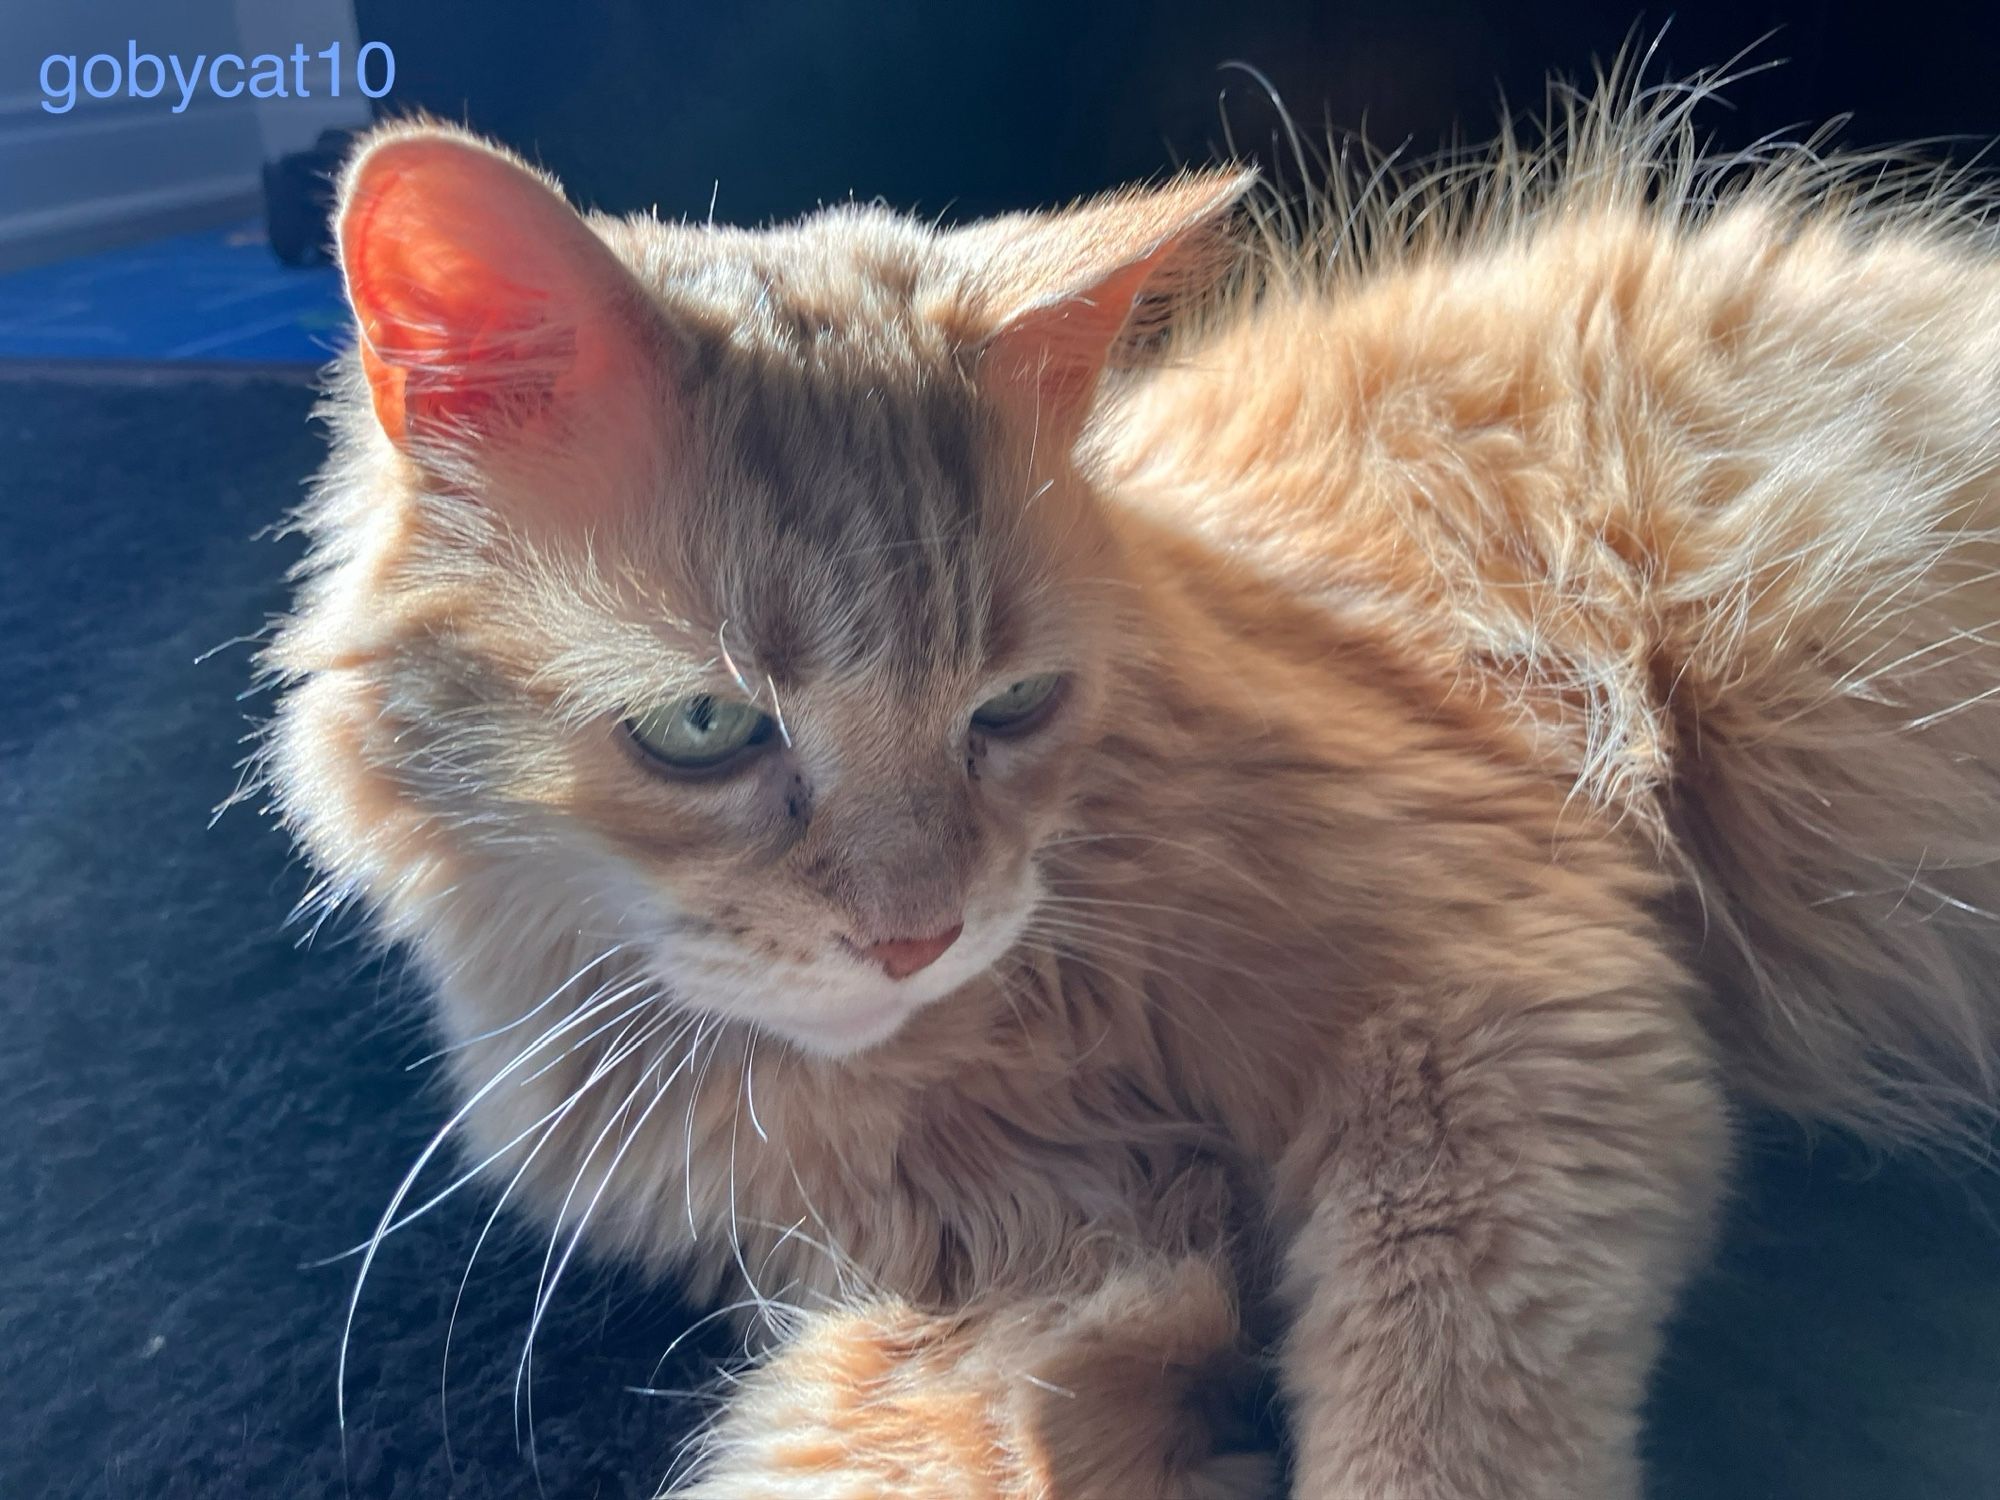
(1135, 1392)
(864, 1405)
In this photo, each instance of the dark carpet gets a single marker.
(193, 1109)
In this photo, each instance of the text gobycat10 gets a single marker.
(298, 74)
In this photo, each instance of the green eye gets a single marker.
(1023, 706)
(700, 732)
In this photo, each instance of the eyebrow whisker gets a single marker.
(778, 712)
(722, 643)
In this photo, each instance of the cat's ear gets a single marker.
(487, 308)
(1064, 285)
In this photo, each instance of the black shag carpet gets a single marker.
(193, 1109)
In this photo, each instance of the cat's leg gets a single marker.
(1132, 1392)
(1494, 1225)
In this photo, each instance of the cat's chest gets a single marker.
(958, 1186)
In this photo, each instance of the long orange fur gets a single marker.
(1532, 673)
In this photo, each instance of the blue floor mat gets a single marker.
(216, 297)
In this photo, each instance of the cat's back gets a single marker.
(1556, 457)
(1707, 500)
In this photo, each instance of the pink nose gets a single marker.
(902, 957)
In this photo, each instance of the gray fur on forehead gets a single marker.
(854, 281)
(847, 519)
(850, 498)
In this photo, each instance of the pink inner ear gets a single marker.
(1074, 278)
(1058, 350)
(484, 302)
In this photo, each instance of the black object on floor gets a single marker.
(298, 199)
(192, 1108)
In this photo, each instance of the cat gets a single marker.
(1061, 811)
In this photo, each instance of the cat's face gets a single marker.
(741, 583)
(852, 711)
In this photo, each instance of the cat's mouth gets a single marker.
(856, 1013)
(846, 999)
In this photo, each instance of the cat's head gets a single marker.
(735, 591)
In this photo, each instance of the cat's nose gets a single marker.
(902, 957)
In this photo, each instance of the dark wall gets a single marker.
(966, 106)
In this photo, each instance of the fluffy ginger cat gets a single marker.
(1067, 809)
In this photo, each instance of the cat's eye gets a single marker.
(1023, 706)
(701, 733)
